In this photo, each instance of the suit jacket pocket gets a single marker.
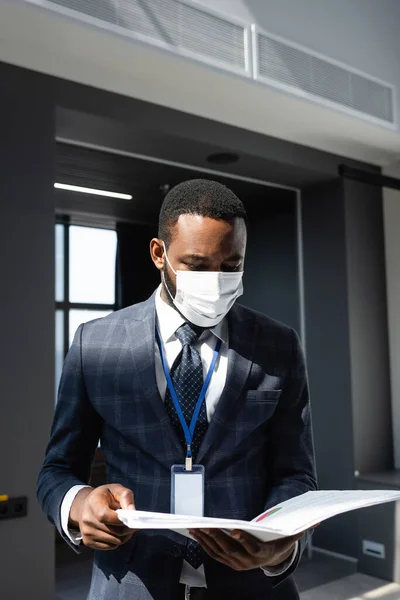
(266, 396)
(128, 549)
(256, 410)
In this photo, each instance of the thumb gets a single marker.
(123, 497)
(297, 537)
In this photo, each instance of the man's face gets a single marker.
(201, 244)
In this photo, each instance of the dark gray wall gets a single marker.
(27, 333)
(347, 345)
(372, 427)
(271, 269)
(328, 352)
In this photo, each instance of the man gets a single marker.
(134, 380)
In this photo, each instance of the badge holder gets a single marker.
(187, 481)
(187, 490)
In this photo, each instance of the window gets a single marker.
(84, 282)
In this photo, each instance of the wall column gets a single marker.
(27, 333)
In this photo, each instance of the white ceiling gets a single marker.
(37, 39)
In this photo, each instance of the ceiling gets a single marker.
(77, 52)
(144, 181)
(144, 138)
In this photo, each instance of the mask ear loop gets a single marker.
(163, 276)
(166, 256)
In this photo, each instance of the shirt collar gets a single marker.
(169, 320)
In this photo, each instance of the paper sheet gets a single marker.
(286, 519)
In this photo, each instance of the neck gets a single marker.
(168, 300)
(166, 297)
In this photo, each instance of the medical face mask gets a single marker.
(205, 297)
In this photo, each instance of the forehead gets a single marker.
(205, 235)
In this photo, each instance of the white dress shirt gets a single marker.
(168, 321)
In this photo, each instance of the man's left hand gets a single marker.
(241, 551)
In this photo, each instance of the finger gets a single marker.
(100, 546)
(285, 555)
(99, 505)
(207, 544)
(126, 538)
(99, 537)
(280, 552)
(231, 559)
(249, 543)
(102, 513)
(281, 546)
(210, 550)
(95, 525)
(119, 530)
(224, 542)
(289, 541)
(204, 535)
(122, 496)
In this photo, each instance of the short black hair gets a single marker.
(199, 197)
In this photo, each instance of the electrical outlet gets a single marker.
(14, 508)
(373, 549)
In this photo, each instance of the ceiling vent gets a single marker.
(190, 29)
(298, 70)
(182, 26)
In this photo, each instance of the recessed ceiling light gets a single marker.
(93, 191)
(164, 188)
(223, 158)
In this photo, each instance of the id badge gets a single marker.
(187, 490)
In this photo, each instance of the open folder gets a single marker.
(289, 518)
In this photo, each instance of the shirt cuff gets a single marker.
(72, 534)
(282, 568)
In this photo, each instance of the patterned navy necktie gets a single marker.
(187, 379)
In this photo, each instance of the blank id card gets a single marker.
(187, 491)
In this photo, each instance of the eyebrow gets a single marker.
(235, 257)
(200, 257)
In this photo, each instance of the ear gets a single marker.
(157, 253)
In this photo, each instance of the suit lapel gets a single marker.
(242, 336)
(141, 334)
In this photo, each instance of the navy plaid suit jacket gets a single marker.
(257, 451)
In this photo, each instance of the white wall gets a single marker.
(391, 202)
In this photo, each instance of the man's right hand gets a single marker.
(93, 513)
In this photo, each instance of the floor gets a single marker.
(354, 587)
(321, 578)
(72, 573)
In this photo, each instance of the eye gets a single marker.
(194, 267)
(231, 268)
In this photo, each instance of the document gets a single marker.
(289, 518)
